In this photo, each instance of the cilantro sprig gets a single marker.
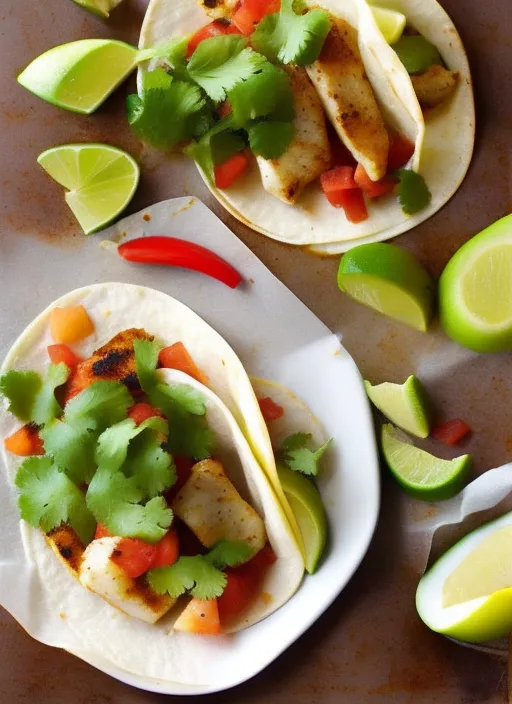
(292, 38)
(413, 192)
(32, 398)
(297, 455)
(201, 575)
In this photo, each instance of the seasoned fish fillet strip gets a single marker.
(348, 99)
(309, 154)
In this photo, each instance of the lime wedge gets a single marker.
(306, 504)
(101, 180)
(81, 75)
(467, 593)
(99, 7)
(475, 290)
(389, 280)
(405, 405)
(422, 475)
(391, 23)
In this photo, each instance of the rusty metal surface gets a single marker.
(369, 646)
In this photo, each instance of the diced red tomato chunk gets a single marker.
(200, 616)
(400, 151)
(62, 353)
(224, 109)
(102, 532)
(167, 550)
(25, 442)
(217, 28)
(335, 181)
(141, 411)
(228, 172)
(270, 410)
(178, 357)
(134, 557)
(374, 189)
(352, 202)
(250, 12)
(451, 432)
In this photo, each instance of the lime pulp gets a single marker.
(406, 405)
(99, 7)
(390, 22)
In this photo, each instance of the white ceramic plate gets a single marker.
(277, 338)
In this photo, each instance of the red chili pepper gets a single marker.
(171, 251)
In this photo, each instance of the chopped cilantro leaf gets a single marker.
(291, 38)
(71, 448)
(413, 192)
(173, 52)
(189, 435)
(230, 553)
(114, 500)
(225, 145)
(146, 361)
(48, 498)
(113, 443)
(150, 466)
(21, 390)
(98, 406)
(220, 63)
(31, 398)
(163, 114)
(187, 398)
(299, 457)
(194, 574)
(271, 139)
(261, 94)
(202, 151)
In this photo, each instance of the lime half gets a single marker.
(306, 504)
(101, 180)
(475, 290)
(81, 75)
(405, 405)
(391, 23)
(467, 593)
(422, 475)
(99, 7)
(389, 280)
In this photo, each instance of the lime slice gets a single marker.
(101, 180)
(99, 7)
(81, 75)
(475, 290)
(391, 23)
(306, 504)
(405, 405)
(467, 593)
(389, 280)
(422, 475)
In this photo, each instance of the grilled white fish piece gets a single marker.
(348, 99)
(434, 86)
(134, 597)
(214, 510)
(309, 154)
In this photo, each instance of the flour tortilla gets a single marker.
(443, 148)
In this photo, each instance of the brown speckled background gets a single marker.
(369, 647)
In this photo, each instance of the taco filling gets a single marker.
(143, 483)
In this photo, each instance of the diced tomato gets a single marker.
(228, 172)
(133, 556)
(352, 201)
(373, 189)
(102, 532)
(141, 411)
(178, 357)
(250, 12)
(200, 616)
(70, 324)
(335, 181)
(25, 442)
(217, 28)
(62, 353)
(451, 432)
(243, 585)
(224, 109)
(270, 410)
(400, 151)
(167, 550)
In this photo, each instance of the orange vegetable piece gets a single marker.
(70, 324)
(62, 353)
(200, 616)
(177, 357)
(25, 442)
(141, 411)
(270, 410)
